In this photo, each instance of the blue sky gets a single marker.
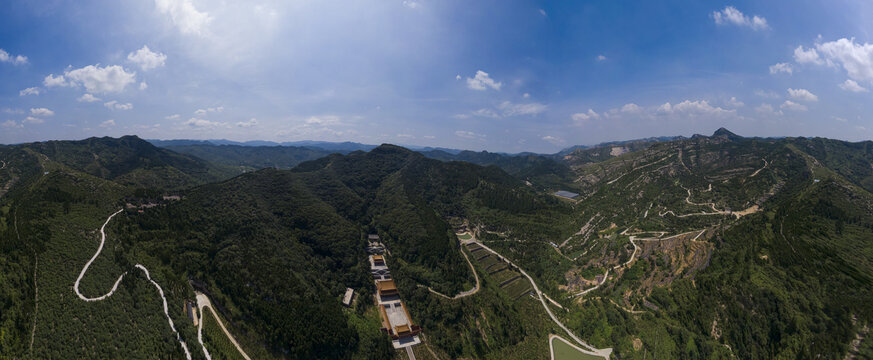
(494, 75)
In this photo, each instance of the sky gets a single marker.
(507, 76)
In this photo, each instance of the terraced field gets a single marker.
(509, 280)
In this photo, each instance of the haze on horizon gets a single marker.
(521, 76)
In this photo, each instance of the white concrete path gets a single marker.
(115, 286)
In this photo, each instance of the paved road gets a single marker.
(591, 349)
(203, 302)
(472, 291)
(115, 286)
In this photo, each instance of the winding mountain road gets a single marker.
(115, 286)
(465, 293)
(203, 302)
(590, 349)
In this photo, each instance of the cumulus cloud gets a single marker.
(411, 4)
(96, 79)
(731, 16)
(793, 106)
(41, 112)
(147, 59)
(810, 55)
(184, 15)
(115, 105)
(32, 120)
(855, 58)
(172, 117)
(107, 123)
(14, 60)
(781, 68)
(601, 57)
(631, 108)
(510, 109)
(802, 94)
(88, 98)
(247, 124)
(581, 118)
(851, 85)
(143, 85)
(733, 102)
(482, 81)
(29, 91)
(203, 123)
(543, 12)
(51, 81)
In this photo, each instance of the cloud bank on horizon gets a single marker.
(518, 76)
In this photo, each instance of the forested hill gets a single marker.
(129, 160)
(249, 158)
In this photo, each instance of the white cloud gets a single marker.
(601, 57)
(553, 140)
(32, 120)
(793, 106)
(767, 94)
(29, 91)
(41, 112)
(143, 85)
(147, 59)
(88, 98)
(485, 113)
(631, 108)
(203, 123)
(543, 12)
(851, 85)
(323, 120)
(115, 105)
(107, 123)
(51, 80)
(767, 109)
(429, 137)
(807, 56)
(246, 124)
(510, 109)
(171, 117)
(469, 135)
(10, 124)
(411, 4)
(184, 15)
(855, 58)
(781, 68)
(730, 15)
(693, 107)
(802, 94)
(461, 116)
(581, 118)
(98, 79)
(458, 77)
(733, 102)
(201, 112)
(482, 82)
(406, 136)
(526, 96)
(15, 60)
